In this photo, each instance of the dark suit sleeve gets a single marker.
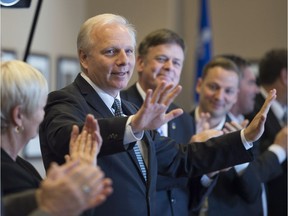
(197, 159)
(261, 170)
(248, 185)
(65, 109)
(21, 203)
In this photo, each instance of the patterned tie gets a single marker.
(118, 112)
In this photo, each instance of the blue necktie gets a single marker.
(118, 112)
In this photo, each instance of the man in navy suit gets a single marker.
(161, 58)
(273, 74)
(239, 190)
(217, 88)
(106, 46)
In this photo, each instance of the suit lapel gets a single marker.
(132, 95)
(92, 98)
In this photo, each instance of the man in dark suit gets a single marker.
(106, 53)
(217, 88)
(239, 190)
(273, 74)
(160, 58)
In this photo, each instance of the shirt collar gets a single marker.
(141, 91)
(106, 98)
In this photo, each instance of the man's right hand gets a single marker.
(152, 113)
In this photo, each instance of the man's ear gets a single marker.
(83, 58)
(139, 64)
(198, 85)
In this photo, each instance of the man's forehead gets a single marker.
(218, 71)
(112, 33)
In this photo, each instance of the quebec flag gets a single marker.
(204, 42)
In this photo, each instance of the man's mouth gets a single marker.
(120, 73)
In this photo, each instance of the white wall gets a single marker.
(247, 28)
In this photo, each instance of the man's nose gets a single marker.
(168, 64)
(122, 58)
(220, 94)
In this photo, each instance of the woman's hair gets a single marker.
(84, 39)
(21, 84)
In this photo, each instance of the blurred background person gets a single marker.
(239, 191)
(273, 74)
(217, 88)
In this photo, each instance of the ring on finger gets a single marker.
(86, 189)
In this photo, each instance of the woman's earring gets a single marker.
(19, 129)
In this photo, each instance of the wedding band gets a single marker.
(86, 189)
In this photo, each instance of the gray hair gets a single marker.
(84, 40)
(21, 84)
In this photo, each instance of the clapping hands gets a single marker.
(86, 145)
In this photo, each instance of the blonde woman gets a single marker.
(23, 98)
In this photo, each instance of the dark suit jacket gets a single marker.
(131, 195)
(241, 195)
(17, 176)
(276, 187)
(173, 192)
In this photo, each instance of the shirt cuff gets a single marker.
(279, 151)
(240, 169)
(206, 181)
(247, 145)
(129, 136)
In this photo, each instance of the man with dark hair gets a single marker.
(273, 74)
(160, 58)
(217, 88)
(239, 190)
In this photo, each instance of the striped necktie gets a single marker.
(118, 112)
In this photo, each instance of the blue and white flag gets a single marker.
(204, 42)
